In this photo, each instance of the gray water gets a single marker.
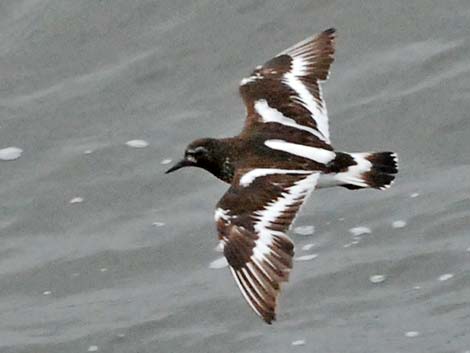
(78, 79)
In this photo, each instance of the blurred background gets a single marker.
(101, 251)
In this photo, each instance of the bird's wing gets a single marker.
(252, 219)
(286, 90)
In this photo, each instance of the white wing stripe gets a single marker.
(260, 250)
(306, 98)
(275, 209)
(271, 115)
(249, 177)
(252, 269)
(242, 289)
(299, 66)
(247, 80)
(261, 268)
(247, 287)
(253, 284)
(318, 155)
(221, 214)
(301, 189)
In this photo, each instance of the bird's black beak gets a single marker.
(180, 164)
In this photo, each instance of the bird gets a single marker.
(281, 155)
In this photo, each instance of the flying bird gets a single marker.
(282, 154)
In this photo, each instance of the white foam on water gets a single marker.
(76, 200)
(304, 230)
(413, 195)
(341, 219)
(103, 269)
(307, 247)
(348, 245)
(360, 230)
(417, 287)
(47, 292)
(158, 224)
(298, 343)
(398, 224)
(412, 334)
(219, 263)
(137, 143)
(446, 277)
(10, 153)
(306, 257)
(166, 161)
(93, 349)
(377, 278)
(88, 151)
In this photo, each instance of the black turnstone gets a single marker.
(280, 157)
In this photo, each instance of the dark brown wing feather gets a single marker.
(289, 83)
(252, 229)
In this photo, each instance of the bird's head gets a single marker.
(202, 153)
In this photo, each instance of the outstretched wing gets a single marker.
(286, 89)
(252, 220)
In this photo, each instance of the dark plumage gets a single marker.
(281, 155)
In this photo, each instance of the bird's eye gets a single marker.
(199, 151)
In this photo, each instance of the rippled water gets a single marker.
(100, 251)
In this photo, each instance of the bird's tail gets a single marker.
(361, 170)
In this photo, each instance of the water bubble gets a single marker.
(445, 277)
(304, 230)
(307, 247)
(306, 257)
(360, 230)
(76, 200)
(298, 343)
(377, 278)
(412, 334)
(398, 224)
(10, 153)
(137, 143)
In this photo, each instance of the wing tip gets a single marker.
(269, 318)
(330, 31)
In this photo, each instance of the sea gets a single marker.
(100, 251)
